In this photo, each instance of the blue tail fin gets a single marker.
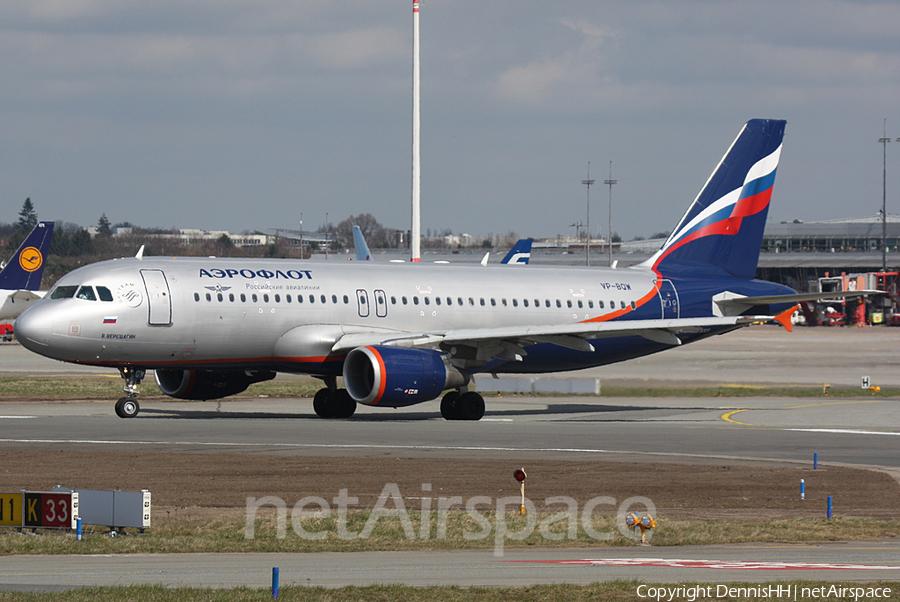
(520, 253)
(722, 231)
(359, 243)
(25, 269)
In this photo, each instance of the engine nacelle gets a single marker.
(398, 376)
(203, 385)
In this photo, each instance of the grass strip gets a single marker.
(460, 530)
(102, 387)
(609, 591)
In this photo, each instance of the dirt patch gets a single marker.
(225, 480)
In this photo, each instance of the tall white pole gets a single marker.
(415, 229)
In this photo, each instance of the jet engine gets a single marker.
(208, 384)
(398, 376)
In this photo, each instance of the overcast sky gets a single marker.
(241, 114)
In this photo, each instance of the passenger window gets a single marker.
(254, 298)
(580, 304)
(347, 300)
(622, 304)
(334, 299)
(312, 298)
(322, 297)
(515, 303)
(503, 302)
(471, 302)
(459, 301)
(525, 302)
(299, 298)
(208, 297)
(104, 293)
(449, 301)
(277, 298)
(482, 302)
(558, 303)
(265, 297)
(600, 304)
(231, 297)
(219, 296)
(427, 301)
(243, 298)
(287, 298)
(415, 300)
(63, 292)
(591, 304)
(86, 293)
(196, 296)
(493, 302)
(569, 304)
(537, 302)
(547, 302)
(437, 300)
(403, 300)
(633, 305)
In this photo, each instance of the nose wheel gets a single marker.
(128, 406)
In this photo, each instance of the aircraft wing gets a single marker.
(507, 342)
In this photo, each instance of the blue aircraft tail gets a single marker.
(520, 253)
(722, 231)
(25, 269)
(359, 243)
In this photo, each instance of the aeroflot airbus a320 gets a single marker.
(403, 334)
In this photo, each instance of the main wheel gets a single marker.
(470, 406)
(343, 404)
(448, 406)
(127, 407)
(322, 404)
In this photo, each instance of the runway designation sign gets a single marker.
(51, 510)
(10, 509)
(38, 509)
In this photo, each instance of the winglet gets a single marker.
(140, 253)
(784, 318)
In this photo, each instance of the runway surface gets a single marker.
(868, 561)
(860, 432)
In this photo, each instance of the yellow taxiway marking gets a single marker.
(727, 417)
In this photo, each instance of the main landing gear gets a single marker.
(332, 402)
(468, 405)
(128, 407)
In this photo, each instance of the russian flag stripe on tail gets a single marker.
(722, 230)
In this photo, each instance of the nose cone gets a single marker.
(33, 328)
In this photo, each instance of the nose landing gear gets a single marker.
(128, 406)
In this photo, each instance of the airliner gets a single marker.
(403, 334)
(20, 279)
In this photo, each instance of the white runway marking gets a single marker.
(844, 431)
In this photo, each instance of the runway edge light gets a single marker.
(520, 476)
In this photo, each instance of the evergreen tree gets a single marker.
(27, 217)
(103, 228)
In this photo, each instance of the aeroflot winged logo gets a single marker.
(31, 259)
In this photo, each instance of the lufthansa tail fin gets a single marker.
(520, 253)
(722, 231)
(26, 267)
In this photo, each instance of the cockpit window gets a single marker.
(63, 292)
(86, 293)
(104, 293)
